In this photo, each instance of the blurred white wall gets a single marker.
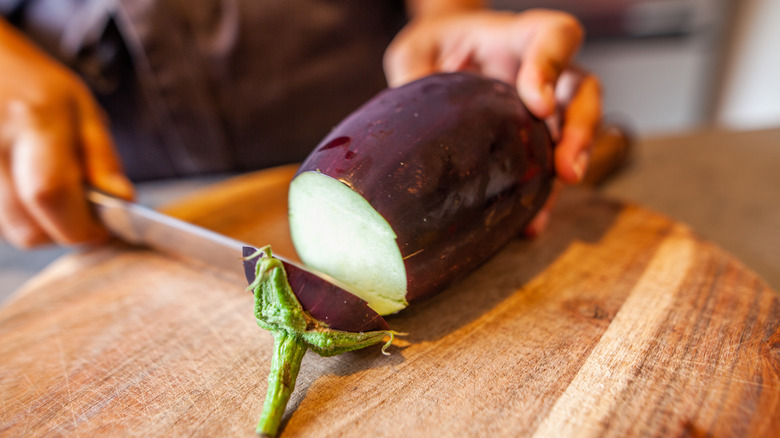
(679, 65)
(750, 94)
(658, 85)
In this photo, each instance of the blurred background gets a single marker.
(697, 83)
(676, 65)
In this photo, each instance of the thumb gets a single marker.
(102, 165)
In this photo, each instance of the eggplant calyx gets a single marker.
(278, 310)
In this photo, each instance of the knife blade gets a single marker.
(322, 296)
(142, 226)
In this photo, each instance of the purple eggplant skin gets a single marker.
(454, 162)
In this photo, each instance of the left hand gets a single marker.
(533, 50)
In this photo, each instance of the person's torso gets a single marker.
(221, 85)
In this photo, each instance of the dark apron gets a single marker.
(212, 86)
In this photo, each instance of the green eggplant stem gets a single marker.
(285, 364)
(278, 310)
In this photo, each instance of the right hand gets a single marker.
(53, 144)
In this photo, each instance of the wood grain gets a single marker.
(616, 322)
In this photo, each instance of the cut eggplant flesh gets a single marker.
(371, 266)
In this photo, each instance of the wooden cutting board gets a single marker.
(615, 322)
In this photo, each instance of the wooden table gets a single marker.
(725, 184)
(616, 322)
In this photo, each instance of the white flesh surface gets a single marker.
(336, 231)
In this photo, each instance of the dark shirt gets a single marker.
(213, 86)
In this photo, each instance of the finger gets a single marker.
(581, 120)
(409, 58)
(488, 37)
(501, 67)
(102, 166)
(457, 58)
(47, 174)
(553, 42)
(17, 226)
(539, 223)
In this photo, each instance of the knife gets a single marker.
(320, 295)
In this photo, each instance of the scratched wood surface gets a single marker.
(616, 322)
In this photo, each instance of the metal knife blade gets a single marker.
(319, 294)
(142, 226)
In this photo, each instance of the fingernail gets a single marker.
(538, 224)
(118, 185)
(541, 100)
(542, 220)
(450, 64)
(580, 164)
(547, 96)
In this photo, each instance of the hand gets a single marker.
(53, 143)
(533, 50)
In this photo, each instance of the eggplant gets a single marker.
(416, 188)
(419, 186)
